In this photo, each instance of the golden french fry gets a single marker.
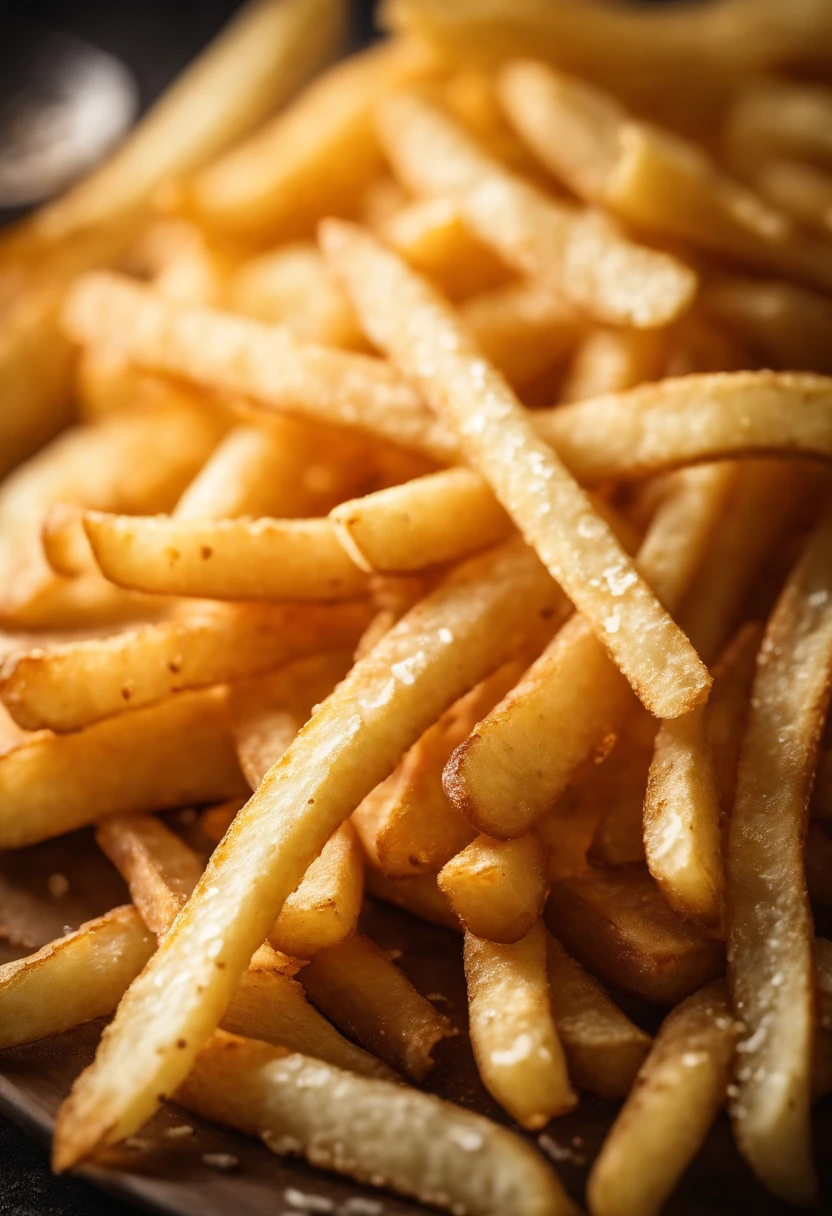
(513, 1033)
(225, 559)
(64, 541)
(158, 867)
(131, 669)
(770, 932)
(676, 1098)
(240, 356)
(522, 328)
(44, 994)
(417, 894)
(389, 1135)
(405, 317)
(324, 909)
(314, 158)
(613, 360)
(616, 924)
(497, 888)
(172, 754)
(373, 1001)
(787, 325)
(604, 1050)
(432, 237)
(442, 647)
(583, 257)
(573, 696)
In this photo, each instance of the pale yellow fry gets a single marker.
(315, 157)
(72, 685)
(158, 867)
(423, 522)
(497, 888)
(172, 754)
(728, 707)
(439, 649)
(237, 355)
(513, 1033)
(391, 1136)
(770, 932)
(788, 325)
(420, 332)
(520, 757)
(604, 1049)
(64, 541)
(676, 1098)
(49, 992)
(581, 256)
(682, 820)
(654, 179)
(225, 559)
(613, 360)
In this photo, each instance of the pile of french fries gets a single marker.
(426, 477)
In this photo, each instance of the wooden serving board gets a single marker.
(164, 1173)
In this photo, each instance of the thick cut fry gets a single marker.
(583, 257)
(784, 324)
(604, 1050)
(256, 63)
(437, 518)
(239, 356)
(172, 754)
(50, 991)
(225, 559)
(519, 759)
(324, 910)
(432, 237)
(770, 932)
(313, 159)
(728, 707)
(617, 787)
(652, 178)
(438, 650)
(612, 361)
(682, 822)
(513, 1033)
(374, 1002)
(676, 1098)
(497, 888)
(405, 317)
(418, 894)
(407, 825)
(158, 867)
(618, 926)
(391, 1136)
(70, 686)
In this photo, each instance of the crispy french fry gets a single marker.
(158, 867)
(770, 933)
(616, 924)
(604, 1050)
(405, 317)
(442, 647)
(240, 356)
(172, 754)
(225, 559)
(583, 257)
(513, 1033)
(324, 909)
(374, 1002)
(418, 894)
(612, 361)
(315, 157)
(677, 1096)
(497, 888)
(41, 995)
(617, 787)
(572, 697)
(786, 325)
(432, 237)
(139, 666)
(392, 1136)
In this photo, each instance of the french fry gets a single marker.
(537, 236)
(405, 317)
(380, 201)
(407, 825)
(654, 179)
(798, 190)
(617, 924)
(441, 648)
(417, 894)
(523, 329)
(778, 118)
(572, 697)
(324, 909)
(677, 1096)
(513, 1033)
(396, 1023)
(158, 867)
(728, 708)
(612, 361)
(604, 1050)
(432, 237)
(143, 665)
(497, 888)
(617, 788)
(64, 541)
(786, 324)
(770, 934)
(388, 1135)
(41, 995)
(239, 356)
(225, 559)
(314, 158)
(172, 754)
